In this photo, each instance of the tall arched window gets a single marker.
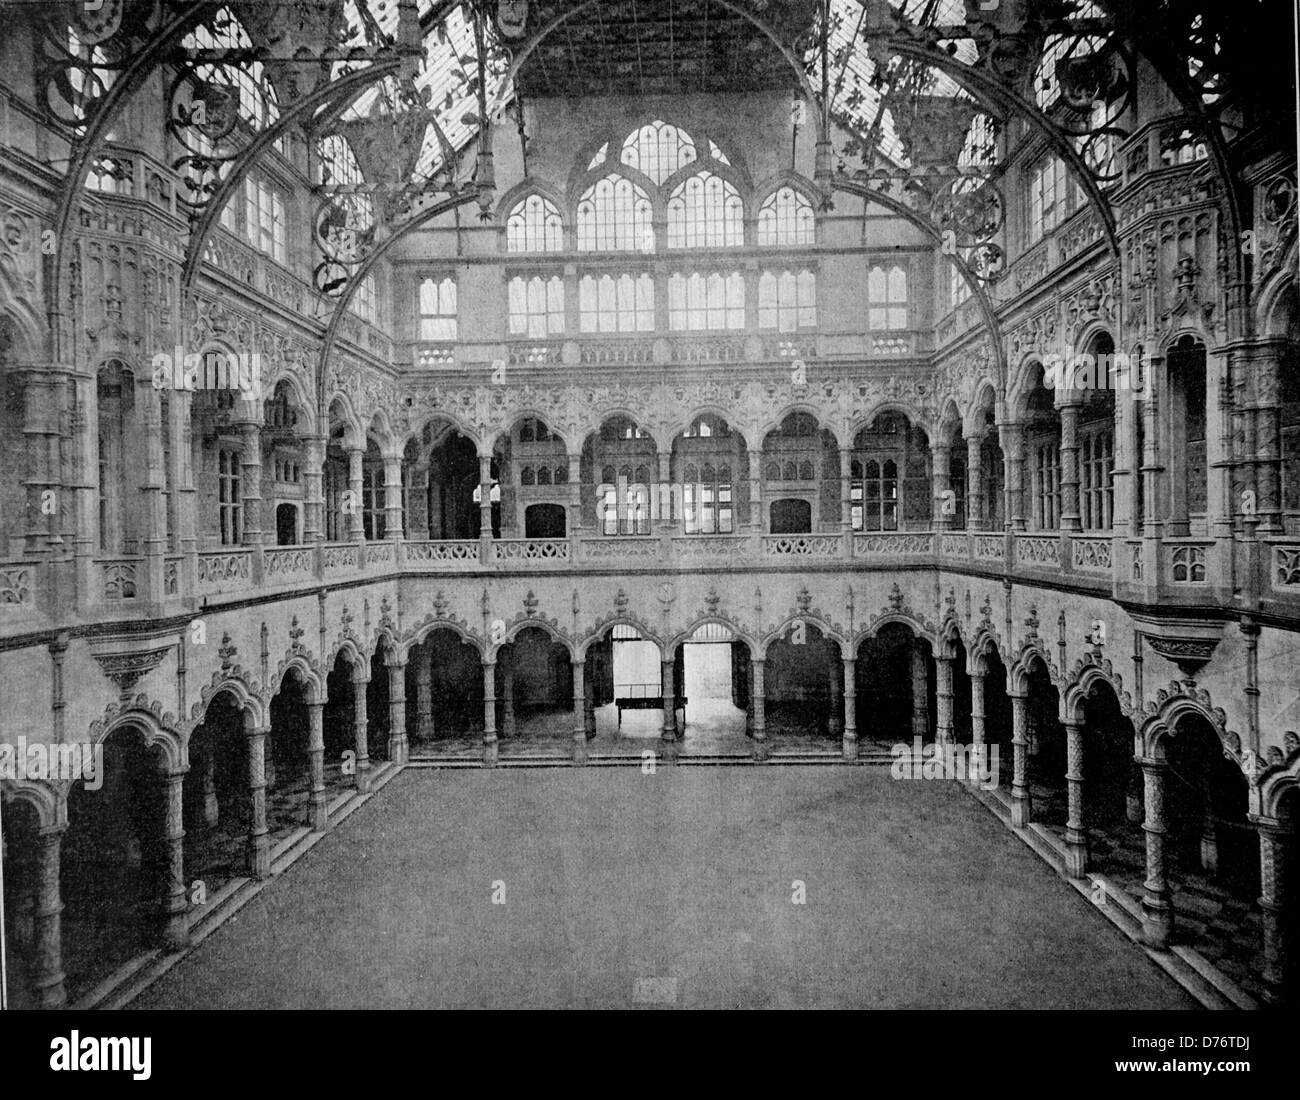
(1188, 429)
(615, 215)
(705, 211)
(889, 486)
(622, 303)
(786, 218)
(887, 298)
(658, 150)
(713, 301)
(787, 301)
(535, 225)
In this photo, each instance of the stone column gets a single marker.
(397, 712)
(393, 498)
(579, 707)
(1274, 840)
(490, 751)
(1076, 826)
(835, 722)
(663, 500)
(669, 731)
(977, 725)
(1012, 439)
(850, 709)
(318, 811)
(943, 716)
(575, 495)
(424, 698)
(846, 491)
(975, 484)
(756, 490)
(758, 704)
(508, 727)
(313, 472)
(356, 517)
(1070, 520)
(259, 844)
(1020, 807)
(1157, 908)
(208, 777)
(940, 477)
(485, 508)
(176, 929)
(1209, 836)
(360, 727)
(920, 707)
(250, 482)
(47, 931)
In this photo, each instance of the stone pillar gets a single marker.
(508, 727)
(940, 477)
(943, 716)
(920, 707)
(579, 707)
(356, 517)
(575, 494)
(756, 490)
(835, 722)
(485, 508)
(397, 712)
(977, 727)
(975, 484)
(1012, 439)
(259, 844)
(250, 482)
(846, 491)
(1157, 908)
(176, 929)
(758, 704)
(47, 931)
(1133, 811)
(850, 709)
(489, 714)
(1070, 468)
(208, 777)
(313, 472)
(360, 726)
(1020, 807)
(393, 498)
(1274, 841)
(318, 811)
(669, 731)
(1209, 837)
(663, 500)
(424, 698)
(1076, 825)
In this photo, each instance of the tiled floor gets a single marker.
(1217, 921)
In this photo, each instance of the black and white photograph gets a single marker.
(648, 505)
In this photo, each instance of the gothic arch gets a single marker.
(247, 698)
(515, 628)
(306, 671)
(647, 633)
(158, 730)
(1161, 716)
(1087, 675)
(828, 631)
(1031, 650)
(890, 405)
(430, 626)
(47, 799)
(675, 641)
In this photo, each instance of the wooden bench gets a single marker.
(640, 699)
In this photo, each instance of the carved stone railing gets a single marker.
(803, 546)
(989, 547)
(709, 547)
(1091, 553)
(441, 552)
(1186, 562)
(340, 557)
(288, 564)
(224, 570)
(1285, 567)
(619, 352)
(380, 553)
(621, 548)
(17, 586)
(954, 544)
(1038, 551)
(533, 550)
(893, 544)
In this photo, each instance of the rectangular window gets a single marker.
(706, 302)
(365, 302)
(264, 218)
(787, 302)
(536, 307)
(438, 309)
(1049, 197)
(1047, 487)
(887, 298)
(228, 500)
(1096, 467)
(622, 303)
(372, 502)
